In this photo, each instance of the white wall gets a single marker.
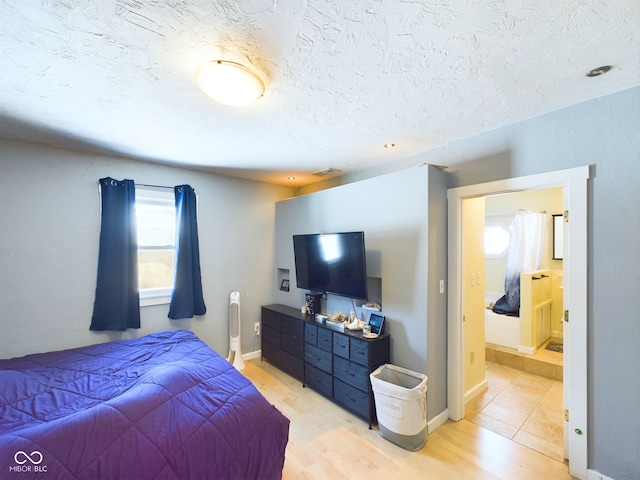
(50, 211)
(403, 216)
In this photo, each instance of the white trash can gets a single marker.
(401, 405)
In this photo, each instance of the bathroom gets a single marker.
(513, 383)
(535, 327)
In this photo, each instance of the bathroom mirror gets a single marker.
(558, 238)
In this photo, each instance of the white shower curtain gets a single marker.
(525, 255)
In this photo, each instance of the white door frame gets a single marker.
(574, 181)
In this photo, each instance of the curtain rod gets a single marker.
(152, 186)
(512, 213)
(146, 185)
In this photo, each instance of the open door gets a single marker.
(566, 391)
(574, 294)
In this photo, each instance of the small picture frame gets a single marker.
(376, 322)
(284, 286)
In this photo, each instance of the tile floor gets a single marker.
(544, 362)
(521, 406)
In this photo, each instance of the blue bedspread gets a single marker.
(163, 406)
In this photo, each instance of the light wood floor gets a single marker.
(326, 441)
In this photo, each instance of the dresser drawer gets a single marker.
(352, 398)
(292, 345)
(311, 334)
(291, 326)
(351, 373)
(319, 380)
(318, 358)
(325, 339)
(271, 352)
(270, 335)
(270, 319)
(359, 351)
(294, 366)
(341, 345)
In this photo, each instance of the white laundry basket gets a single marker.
(401, 405)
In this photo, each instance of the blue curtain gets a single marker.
(117, 302)
(187, 299)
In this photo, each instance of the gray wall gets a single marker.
(403, 215)
(50, 211)
(605, 133)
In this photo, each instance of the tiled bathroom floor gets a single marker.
(521, 406)
(544, 362)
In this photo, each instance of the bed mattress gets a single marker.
(162, 406)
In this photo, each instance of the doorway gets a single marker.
(518, 392)
(574, 182)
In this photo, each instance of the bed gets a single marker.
(163, 406)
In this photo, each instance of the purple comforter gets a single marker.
(163, 406)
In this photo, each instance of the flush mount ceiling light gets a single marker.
(230, 83)
(389, 145)
(598, 71)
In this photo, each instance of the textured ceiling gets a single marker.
(343, 77)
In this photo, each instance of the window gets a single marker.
(156, 217)
(496, 240)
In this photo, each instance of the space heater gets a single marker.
(235, 356)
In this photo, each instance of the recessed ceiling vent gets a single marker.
(327, 171)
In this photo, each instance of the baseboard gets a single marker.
(471, 394)
(526, 350)
(558, 334)
(595, 475)
(252, 355)
(438, 420)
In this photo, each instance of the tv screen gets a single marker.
(331, 263)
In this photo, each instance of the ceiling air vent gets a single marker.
(326, 171)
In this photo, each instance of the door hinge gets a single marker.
(566, 415)
(566, 316)
(566, 216)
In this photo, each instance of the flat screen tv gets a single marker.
(331, 263)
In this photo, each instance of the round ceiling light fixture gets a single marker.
(389, 145)
(230, 83)
(598, 71)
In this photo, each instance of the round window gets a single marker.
(496, 240)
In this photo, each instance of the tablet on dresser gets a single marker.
(376, 321)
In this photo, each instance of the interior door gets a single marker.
(566, 336)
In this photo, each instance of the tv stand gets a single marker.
(334, 364)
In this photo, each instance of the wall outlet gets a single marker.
(256, 328)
